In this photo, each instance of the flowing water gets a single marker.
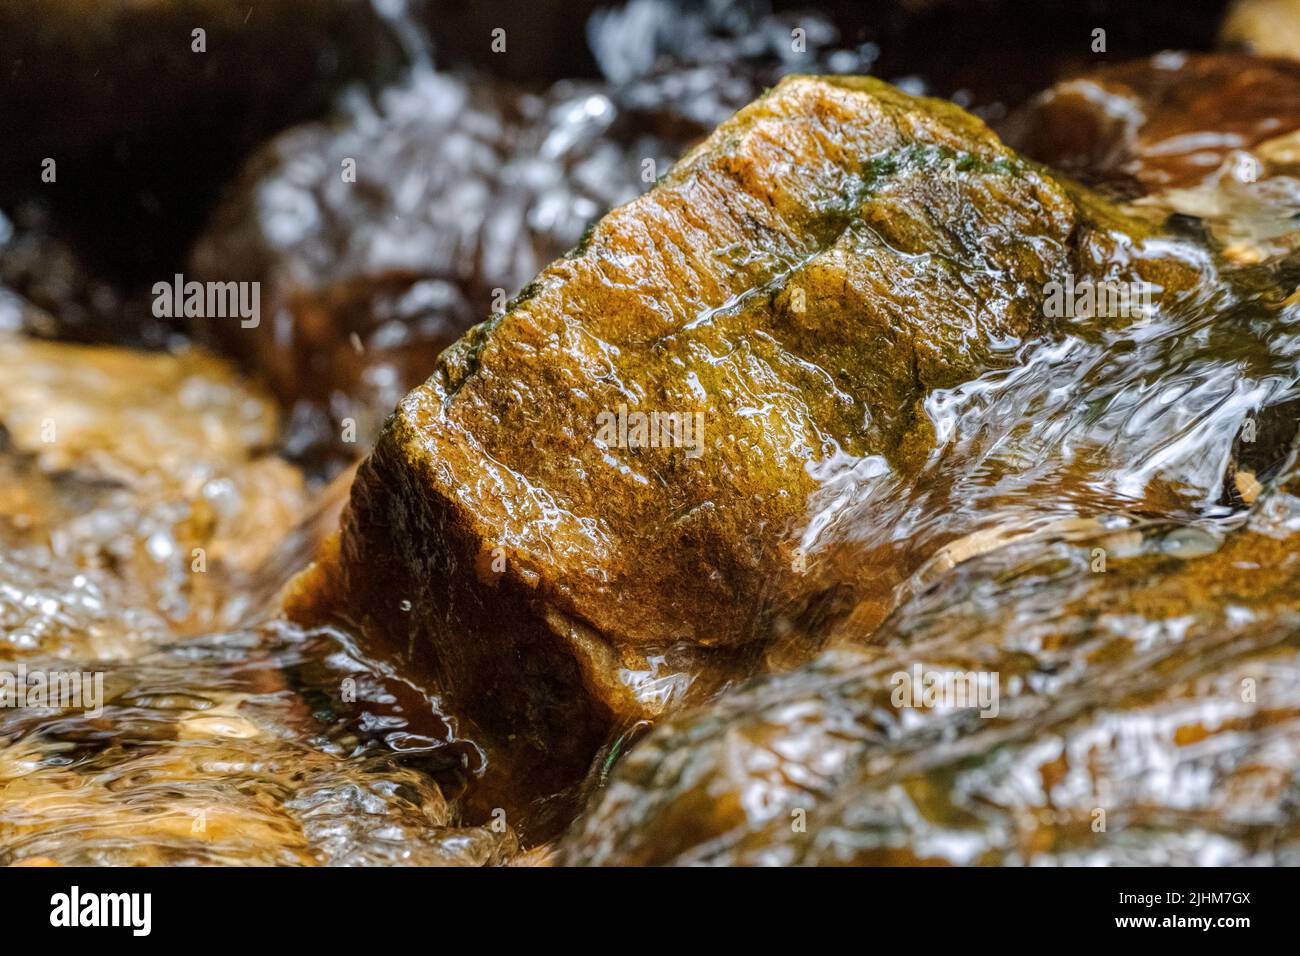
(1160, 442)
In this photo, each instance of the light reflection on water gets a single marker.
(270, 743)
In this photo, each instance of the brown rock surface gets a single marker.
(802, 280)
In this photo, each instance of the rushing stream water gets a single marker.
(1160, 686)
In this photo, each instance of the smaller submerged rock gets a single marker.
(138, 493)
(1033, 709)
(1210, 137)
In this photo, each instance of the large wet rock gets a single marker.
(794, 289)
(1119, 689)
